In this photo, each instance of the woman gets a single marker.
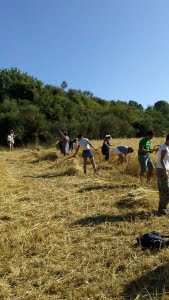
(10, 139)
(122, 152)
(106, 147)
(87, 153)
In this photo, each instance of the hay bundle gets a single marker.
(50, 156)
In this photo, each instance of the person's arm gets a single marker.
(144, 151)
(92, 146)
(108, 145)
(163, 153)
(77, 149)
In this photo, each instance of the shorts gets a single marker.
(145, 163)
(87, 153)
(117, 151)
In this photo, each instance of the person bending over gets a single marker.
(122, 152)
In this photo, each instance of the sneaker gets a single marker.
(96, 173)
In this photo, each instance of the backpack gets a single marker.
(152, 239)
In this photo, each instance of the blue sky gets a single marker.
(117, 49)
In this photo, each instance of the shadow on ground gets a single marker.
(129, 217)
(107, 187)
(53, 175)
(150, 285)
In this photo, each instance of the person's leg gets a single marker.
(150, 166)
(143, 165)
(163, 187)
(120, 159)
(84, 164)
(107, 156)
(93, 163)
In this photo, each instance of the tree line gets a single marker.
(37, 111)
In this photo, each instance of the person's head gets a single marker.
(149, 134)
(65, 133)
(130, 150)
(107, 137)
(79, 136)
(11, 131)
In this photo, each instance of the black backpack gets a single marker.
(152, 240)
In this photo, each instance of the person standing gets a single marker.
(144, 151)
(122, 152)
(64, 142)
(163, 177)
(10, 139)
(106, 146)
(87, 153)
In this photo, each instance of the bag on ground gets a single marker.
(152, 240)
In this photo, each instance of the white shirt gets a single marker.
(166, 157)
(84, 143)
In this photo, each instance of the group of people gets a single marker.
(65, 143)
(162, 168)
(146, 163)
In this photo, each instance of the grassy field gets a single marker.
(66, 235)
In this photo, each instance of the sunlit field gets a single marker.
(66, 235)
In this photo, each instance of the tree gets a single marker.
(64, 85)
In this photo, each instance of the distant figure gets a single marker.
(87, 153)
(163, 177)
(10, 139)
(122, 152)
(64, 142)
(144, 151)
(106, 147)
(72, 143)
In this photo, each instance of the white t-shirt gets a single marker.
(84, 143)
(166, 157)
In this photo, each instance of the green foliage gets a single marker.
(36, 111)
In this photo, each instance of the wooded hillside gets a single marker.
(36, 111)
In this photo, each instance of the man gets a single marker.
(144, 151)
(163, 177)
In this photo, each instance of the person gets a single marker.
(106, 147)
(122, 152)
(144, 151)
(64, 142)
(163, 177)
(87, 153)
(10, 139)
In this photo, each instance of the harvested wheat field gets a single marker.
(65, 235)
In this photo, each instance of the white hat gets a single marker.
(107, 136)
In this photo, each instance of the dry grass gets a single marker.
(65, 235)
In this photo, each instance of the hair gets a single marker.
(130, 150)
(79, 136)
(167, 137)
(150, 132)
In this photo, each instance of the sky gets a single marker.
(117, 49)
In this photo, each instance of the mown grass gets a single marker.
(65, 235)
